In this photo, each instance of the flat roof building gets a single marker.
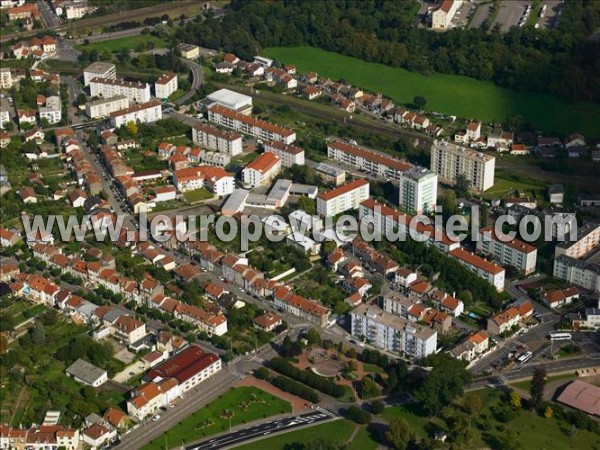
(232, 100)
(450, 161)
(99, 69)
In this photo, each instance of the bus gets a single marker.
(557, 336)
(524, 357)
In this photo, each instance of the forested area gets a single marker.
(561, 61)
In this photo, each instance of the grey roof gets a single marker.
(304, 189)
(112, 315)
(280, 189)
(85, 371)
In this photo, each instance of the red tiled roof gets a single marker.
(513, 243)
(476, 261)
(184, 365)
(356, 184)
(264, 162)
(227, 135)
(369, 155)
(230, 113)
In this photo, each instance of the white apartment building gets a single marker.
(418, 190)
(216, 139)
(104, 107)
(512, 252)
(392, 333)
(579, 272)
(441, 18)
(4, 117)
(6, 80)
(52, 110)
(215, 179)
(99, 70)
(143, 113)
(261, 170)
(260, 129)
(366, 159)
(389, 222)
(289, 154)
(588, 238)
(165, 85)
(487, 270)
(107, 87)
(76, 9)
(451, 160)
(343, 198)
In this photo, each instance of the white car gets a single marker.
(156, 418)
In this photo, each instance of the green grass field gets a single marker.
(198, 195)
(372, 368)
(448, 94)
(122, 44)
(337, 431)
(505, 184)
(246, 403)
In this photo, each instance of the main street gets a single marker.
(261, 430)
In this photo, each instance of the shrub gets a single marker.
(357, 415)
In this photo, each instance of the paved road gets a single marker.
(50, 19)
(197, 80)
(264, 430)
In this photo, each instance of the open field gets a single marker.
(448, 94)
(505, 184)
(198, 195)
(246, 404)
(123, 44)
(337, 431)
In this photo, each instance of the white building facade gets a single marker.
(215, 139)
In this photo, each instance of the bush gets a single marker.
(293, 387)
(262, 373)
(357, 415)
(377, 407)
(307, 377)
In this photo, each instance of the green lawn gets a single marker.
(416, 423)
(198, 195)
(362, 441)
(372, 368)
(448, 94)
(122, 44)
(338, 431)
(505, 184)
(247, 404)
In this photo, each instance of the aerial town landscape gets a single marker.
(309, 225)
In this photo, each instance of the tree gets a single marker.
(445, 382)
(132, 127)
(473, 405)
(398, 434)
(515, 400)
(313, 337)
(38, 333)
(377, 407)
(461, 185)
(419, 102)
(357, 415)
(548, 412)
(538, 383)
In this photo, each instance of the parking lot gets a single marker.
(513, 13)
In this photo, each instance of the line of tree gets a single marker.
(295, 388)
(559, 60)
(307, 377)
